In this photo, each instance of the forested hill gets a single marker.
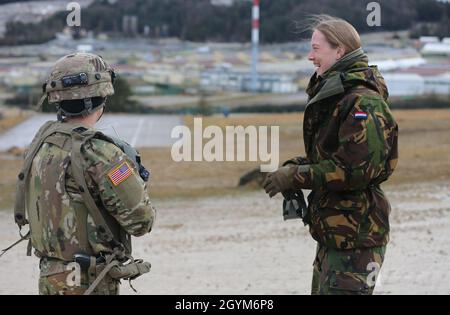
(10, 1)
(199, 20)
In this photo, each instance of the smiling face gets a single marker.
(322, 54)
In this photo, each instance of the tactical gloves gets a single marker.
(287, 178)
(280, 180)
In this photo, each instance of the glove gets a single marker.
(280, 180)
(286, 178)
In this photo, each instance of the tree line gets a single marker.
(199, 20)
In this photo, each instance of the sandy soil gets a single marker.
(217, 238)
(238, 244)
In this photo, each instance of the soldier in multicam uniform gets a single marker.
(81, 194)
(350, 140)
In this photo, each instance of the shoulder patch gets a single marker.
(360, 115)
(120, 173)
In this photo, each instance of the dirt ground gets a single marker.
(214, 238)
(229, 245)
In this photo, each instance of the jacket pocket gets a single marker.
(336, 220)
(349, 283)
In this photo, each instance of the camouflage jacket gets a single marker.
(350, 139)
(60, 223)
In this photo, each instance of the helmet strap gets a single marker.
(88, 104)
(41, 102)
(59, 113)
(102, 108)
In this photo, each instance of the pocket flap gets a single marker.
(349, 281)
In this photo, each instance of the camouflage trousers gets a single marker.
(346, 272)
(57, 278)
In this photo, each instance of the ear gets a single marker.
(340, 52)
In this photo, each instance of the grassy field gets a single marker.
(424, 153)
(424, 156)
(232, 100)
(11, 117)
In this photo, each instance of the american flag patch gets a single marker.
(360, 115)
(120, 173)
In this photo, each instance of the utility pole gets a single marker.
(255, 44)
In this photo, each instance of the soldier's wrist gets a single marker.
(301, 178)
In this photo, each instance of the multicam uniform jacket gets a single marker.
(60, 223)
(351, 144)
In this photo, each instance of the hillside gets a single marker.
(199, 20)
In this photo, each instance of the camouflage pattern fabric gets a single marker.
(58, 283)
(59, 220)
(96, 69)
(346, 272)
(64, 81)
(126, 197)
(350, 139)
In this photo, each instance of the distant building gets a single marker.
(227, 2)
(231, 80)
(438, 85)
(436, 49)
(164, 76)
(404, 84)
(408, 84)
(222, 2)
(86, 48)
(394, 64)
(429, 39)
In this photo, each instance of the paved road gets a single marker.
(139, 130)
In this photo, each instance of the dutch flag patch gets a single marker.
(360, 115)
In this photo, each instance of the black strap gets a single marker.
(22, 238)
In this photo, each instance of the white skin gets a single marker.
(88, 121)
(322, 54)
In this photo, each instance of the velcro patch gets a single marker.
(120, 173)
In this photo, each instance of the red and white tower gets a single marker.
(255, 44)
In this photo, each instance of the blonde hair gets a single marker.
(338, 32)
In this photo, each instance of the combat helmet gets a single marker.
(78, 84)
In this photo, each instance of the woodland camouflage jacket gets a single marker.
(350, 139)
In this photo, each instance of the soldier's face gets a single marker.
(322, 54)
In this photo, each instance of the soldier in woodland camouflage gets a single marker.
(61, 222)
(351, 148)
